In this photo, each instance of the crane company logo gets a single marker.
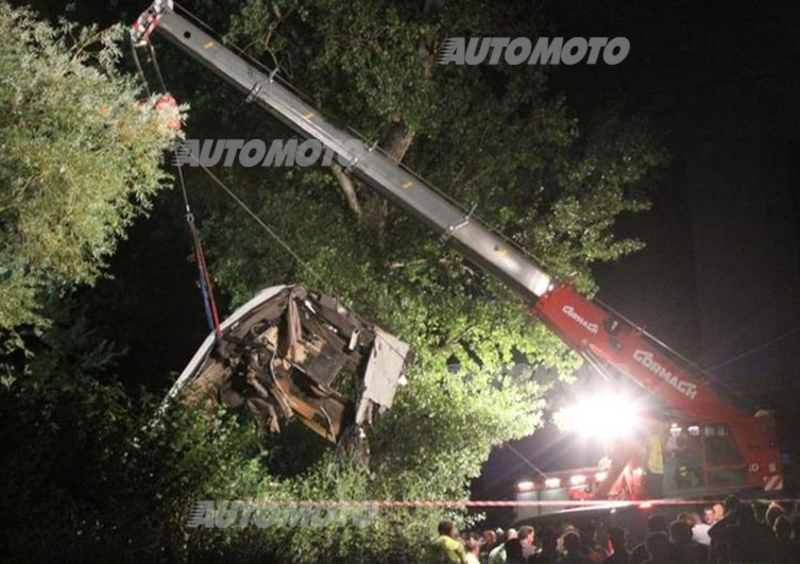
(255, 153)
(646, 359)
(593, 328)
(242, 513)
(520, 50)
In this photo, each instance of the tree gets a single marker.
(80, 159)
(492, 135)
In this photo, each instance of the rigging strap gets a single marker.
(206, 288)
(140, 37)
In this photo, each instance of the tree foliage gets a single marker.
(79, 160)
(492, 136)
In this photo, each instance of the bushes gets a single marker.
(80, 471)
(88, 470)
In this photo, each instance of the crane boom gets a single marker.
(488, 250)
(586, 326)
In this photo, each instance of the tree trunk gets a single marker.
(395, 142)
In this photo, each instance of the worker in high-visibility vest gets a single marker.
(655, 463)
(446, 548)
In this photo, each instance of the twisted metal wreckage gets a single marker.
(293, 352)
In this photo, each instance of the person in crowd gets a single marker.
(446, 548)
(572, 548)
(718, 550)
(473, 549)
(687, 551)
(514, 552)
(498, 555)
(549, 552)
(589, 546)
(659, 549)
(708, 515)
(796, 527)
(672, 450)
(773, 512)
(719, 511)
(618, 539)
(788, 548)
(742, 538)
(698, 527)
(527, 537)
(488, 543)
(655, 463)
(655, 524)
(760, 510)
(563, 530)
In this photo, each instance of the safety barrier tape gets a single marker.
(505, 503)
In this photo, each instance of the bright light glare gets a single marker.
(525, 486)
(552, 483)
(604, 417)
(577, 480)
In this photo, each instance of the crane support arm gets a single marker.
(474, 240)
(594, 331)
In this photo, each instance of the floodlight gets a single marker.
(606, 417)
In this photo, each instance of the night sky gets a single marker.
(719, 280)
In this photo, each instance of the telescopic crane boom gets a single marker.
(734, 450)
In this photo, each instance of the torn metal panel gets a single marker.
(387, 359)
(292, 352)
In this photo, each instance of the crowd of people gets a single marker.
(735, 532)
